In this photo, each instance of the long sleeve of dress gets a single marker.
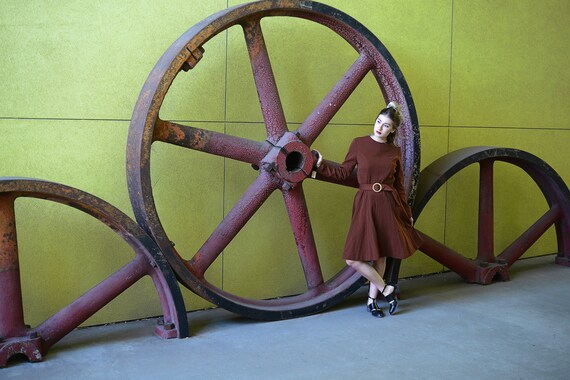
(400, 188)
(342, 171)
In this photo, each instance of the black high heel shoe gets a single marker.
(392, 299)
(374, 309)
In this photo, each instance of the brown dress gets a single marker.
(381, 225)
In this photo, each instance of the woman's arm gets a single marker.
(335, 171)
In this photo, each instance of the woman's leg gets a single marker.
(373, 274)
(372, 293)
(379, 265)
(370, 273)
(388, 291)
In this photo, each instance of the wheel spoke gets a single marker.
(448, 257)
(233, 222)
(520, 245)
(12, 317)
(220, 144)
(71, 316)
(267, 91)
(301, 224)
(486, 250)
(329, 106)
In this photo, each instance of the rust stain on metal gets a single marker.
(8, 244)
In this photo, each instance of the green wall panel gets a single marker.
(88, 154)
(510, 63)
(81, 59)
(418, 35)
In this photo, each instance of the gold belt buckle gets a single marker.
(379, 187)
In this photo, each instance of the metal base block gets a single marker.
(166, 330)
(31, 348)
(563, 260)
(487, 272)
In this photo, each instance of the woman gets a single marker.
(382, 223)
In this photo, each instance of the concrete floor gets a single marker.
(445, 329)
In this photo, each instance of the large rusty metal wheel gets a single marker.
(487, 265)
(284, 159)
(17, 338)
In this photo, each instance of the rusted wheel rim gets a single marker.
(15, 336)
(489, 265)
(284, 158)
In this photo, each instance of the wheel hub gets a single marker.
(290, 161)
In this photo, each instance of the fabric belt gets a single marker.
(375, 187)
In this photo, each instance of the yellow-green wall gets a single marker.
(481, 73)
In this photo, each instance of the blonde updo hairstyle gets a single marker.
(392, 111)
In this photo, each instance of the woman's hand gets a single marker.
(317, 158)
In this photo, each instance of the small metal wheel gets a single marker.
(18, 338)
(284, 159)
(487, 267)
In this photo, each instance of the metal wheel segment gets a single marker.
(284, 159)
(18, 338)
(488, 266)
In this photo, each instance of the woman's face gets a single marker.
(383, 127)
